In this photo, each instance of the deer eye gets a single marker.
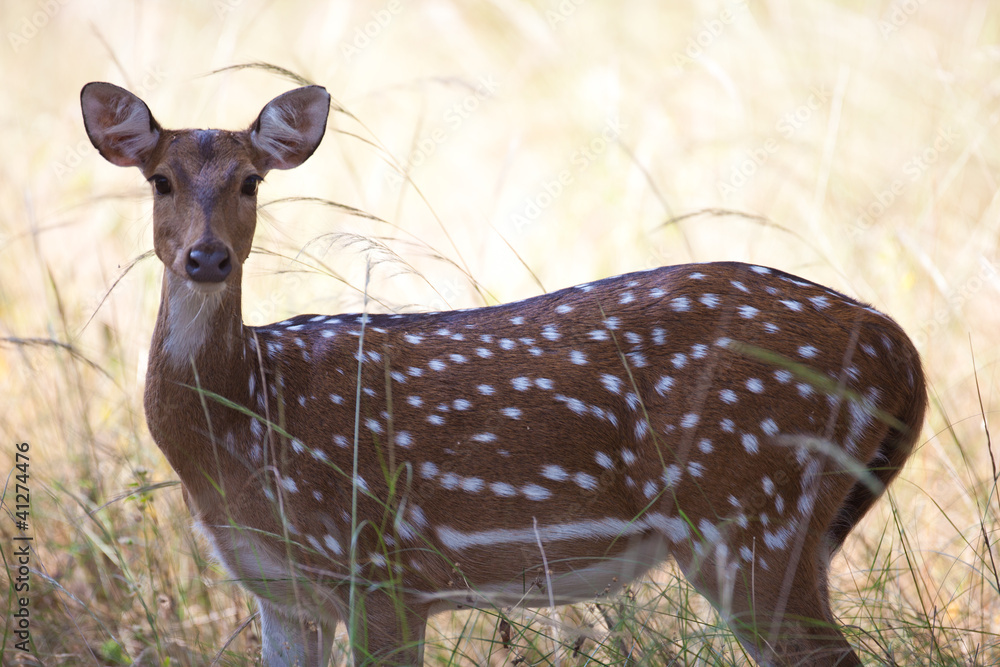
(249, 187)
(161, 184)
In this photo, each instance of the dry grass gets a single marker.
(849, 142)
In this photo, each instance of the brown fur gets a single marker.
(703, 411)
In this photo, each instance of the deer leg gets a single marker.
(292, 641)
(390, 630)
(783, 630)
(793, 640)
(807, 633)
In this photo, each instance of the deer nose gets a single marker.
(208, 262)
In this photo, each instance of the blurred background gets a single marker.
(483, 152)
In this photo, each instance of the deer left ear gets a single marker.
(290, 127)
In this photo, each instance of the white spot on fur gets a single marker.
(535, 492)
(585, 481)
(521, 383)
(664, 385)
(792, 305)
(503, 489)
(671, 475)
(689, 420)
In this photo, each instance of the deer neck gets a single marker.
(197, 356)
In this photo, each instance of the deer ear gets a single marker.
(290, 127)
(119, 124)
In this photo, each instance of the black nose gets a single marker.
(208, 263)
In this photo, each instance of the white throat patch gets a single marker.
(189, 319)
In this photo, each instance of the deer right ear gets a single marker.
(290, 127)
(119, 124)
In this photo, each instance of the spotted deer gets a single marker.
(377, 468)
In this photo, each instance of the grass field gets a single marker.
(543, 144)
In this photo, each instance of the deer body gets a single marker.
(734, 417)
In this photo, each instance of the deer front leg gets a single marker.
(293, 642)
